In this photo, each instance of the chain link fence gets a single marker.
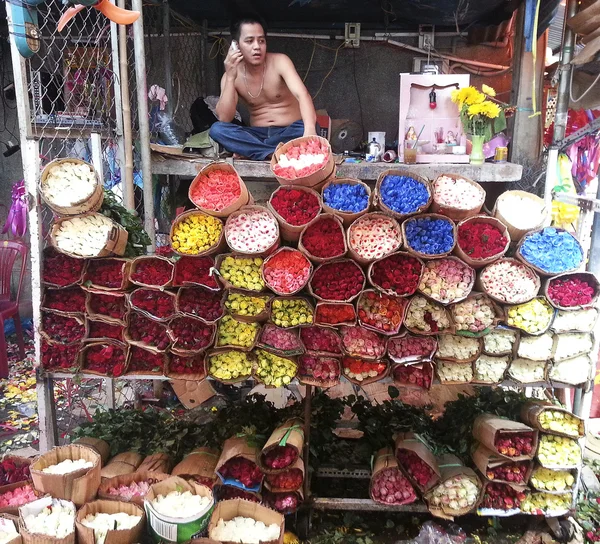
(74, 86)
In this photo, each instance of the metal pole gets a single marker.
(127, 169)
(144, 122)
(167, 47)
(30, 156)
(565, 67)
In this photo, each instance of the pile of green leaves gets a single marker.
(454, 430)
(588, 516)
(138, 239)
(381, 422)
(156, 431)
(143, 431)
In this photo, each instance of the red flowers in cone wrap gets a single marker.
(287, 271)
(360, 370)
(151, 333)
(321, 339)
(408, 346)
(157, 303)
(514, 444)
(70, 300)
(280, 457)
(571, 291)
(108, 305)
(142, 360)
(360, 342)
(509, 472)
(99, 329)
(11, 471)
(242, 470)
(296, 207)
(284, 502)
(389, 486)
(187, 365)
(324, 239)
(280, 339)
(201, 302)
(502, 497)
(419, 470)
(398, 273)
(59, 356)
(319, 368)
(227, 492)
(290, 479)
(105, 359)
(65, 330)
(191, 334)
(105, 273)
(413, 375)
(18, 497)
(195, 270)
(301, 161)
(339, 281)
(481, 240)
(60, 269)
(381, 311)
(152, 271)
(335, 314)
(208, 482)
(216, 190)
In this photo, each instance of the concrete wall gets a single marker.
(366, 80)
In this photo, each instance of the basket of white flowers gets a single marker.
(71, 187)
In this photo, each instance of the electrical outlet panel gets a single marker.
(352, 35)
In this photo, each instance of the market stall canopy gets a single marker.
(390, 14)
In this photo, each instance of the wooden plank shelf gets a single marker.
(259, 170)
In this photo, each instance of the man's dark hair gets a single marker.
(245, 19)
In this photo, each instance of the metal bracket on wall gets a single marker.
(352, 35)
(576, 136)
(586, 203)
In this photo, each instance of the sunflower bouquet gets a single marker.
(479, 110)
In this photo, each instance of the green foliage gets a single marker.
(382, 422)
(138, 238)
(454, 428)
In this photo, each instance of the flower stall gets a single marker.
(309, 274)
(394, 287)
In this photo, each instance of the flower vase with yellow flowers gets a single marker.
(478, 112)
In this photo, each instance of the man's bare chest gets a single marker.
(256, 93)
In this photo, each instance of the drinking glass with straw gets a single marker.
(410, 149)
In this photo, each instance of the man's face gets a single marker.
(253, 43)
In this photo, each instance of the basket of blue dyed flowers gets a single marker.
(429, 236)
(402, 194)
(347, 198)
(550, 251)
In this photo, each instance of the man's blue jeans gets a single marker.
(256, 143)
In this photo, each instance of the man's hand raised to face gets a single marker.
(232, 61)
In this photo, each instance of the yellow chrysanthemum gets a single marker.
(486, 89)
(467, 96)
(486, 109)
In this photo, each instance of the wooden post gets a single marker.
(127, 170)
(527, 131)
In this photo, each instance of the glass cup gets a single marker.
(410, 152)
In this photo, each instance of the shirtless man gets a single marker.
(281, 108)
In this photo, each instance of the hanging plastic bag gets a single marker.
(432, 533)
(16, 222)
